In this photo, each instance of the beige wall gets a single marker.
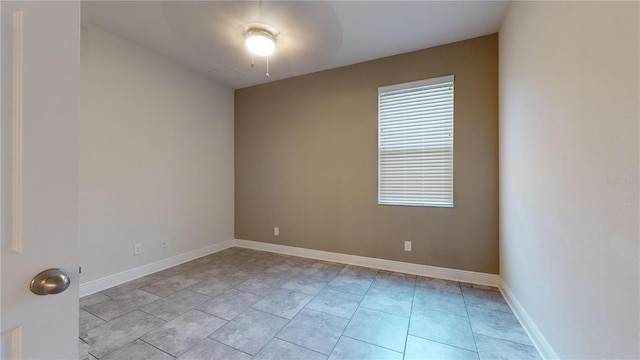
(156, 157)
(306, 161)
(569, 92)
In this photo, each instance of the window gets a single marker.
(415, 143)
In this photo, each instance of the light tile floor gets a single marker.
(247, 304)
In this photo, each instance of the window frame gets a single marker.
(409, 86)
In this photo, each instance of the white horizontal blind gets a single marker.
(415, 143)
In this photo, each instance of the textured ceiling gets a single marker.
(207, 36)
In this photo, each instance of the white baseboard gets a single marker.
(540, 342)
(91, 287)
(390, 265)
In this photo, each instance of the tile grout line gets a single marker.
(406, 338)
(298, 345)
(506, 340)
(475, 343)
(349, 322)
(372, 344)
(140, 338)
(449, 345)
(493, 337)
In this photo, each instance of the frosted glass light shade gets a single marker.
(260, 42)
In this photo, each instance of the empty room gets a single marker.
(320, 180)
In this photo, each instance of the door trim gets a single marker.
(16, 123)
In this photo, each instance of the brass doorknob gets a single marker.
(49, 282)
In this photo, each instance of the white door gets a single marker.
(39, 167)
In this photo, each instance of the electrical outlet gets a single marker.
(163, 244)
(276, 231)
(407, 246)
(137, 249)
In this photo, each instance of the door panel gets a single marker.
(39, 167)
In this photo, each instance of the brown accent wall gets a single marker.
(306, 161)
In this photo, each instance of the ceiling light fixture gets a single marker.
(260, 39)
(260, 42)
